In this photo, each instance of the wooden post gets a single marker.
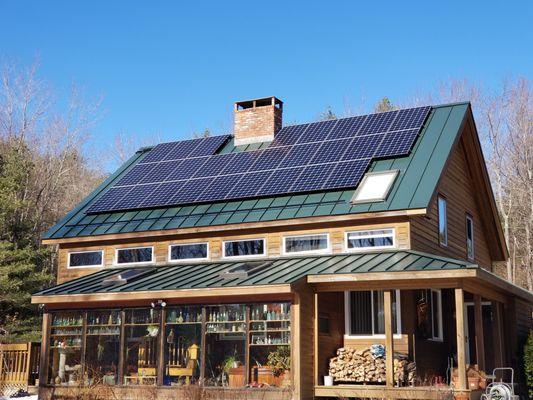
(122, 351)
(497, 333)
(460, 327)
(45, 342)
(161, 348)
(315, 340)
(389, 338)
(480, 341)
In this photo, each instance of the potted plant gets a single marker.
(232, 368)
(279, 362)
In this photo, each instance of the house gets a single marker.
(199, 260)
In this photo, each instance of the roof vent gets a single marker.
(257, 121)
(244, 270)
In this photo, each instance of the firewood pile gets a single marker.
(365, 366)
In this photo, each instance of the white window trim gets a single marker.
(348, 314)
(363, 249)
(393, 172)
(180, 260)
(440, 336)
(152, 261)
(247, 256)
(86, 266)
(471, 219)
(327, 250)
(444, 242)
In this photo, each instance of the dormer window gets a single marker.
(135, 255)
(375, 186)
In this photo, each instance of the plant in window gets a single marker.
(279, 360)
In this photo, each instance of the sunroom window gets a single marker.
(85, 259)
(135, 255)
(189, 251)
(370, 239)
(306, 243)
(429, 310)
(244, 248)
(365, 313)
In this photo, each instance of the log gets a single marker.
(361, 366)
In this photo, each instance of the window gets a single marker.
(375, 186)
(469, 237)
(429, 313)
(135, 255)
(443, 223)
(306, 243)
(365, 313)
(244, 248)
(190, 251)
(86, 259)
(371, 239)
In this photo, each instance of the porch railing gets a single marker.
(19, 366)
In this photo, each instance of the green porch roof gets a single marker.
(418, 176)
(279, 271)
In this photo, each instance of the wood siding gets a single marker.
(274, 245)
(458, 188)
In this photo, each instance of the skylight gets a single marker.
(374, 187)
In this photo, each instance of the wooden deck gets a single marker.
(377, 391)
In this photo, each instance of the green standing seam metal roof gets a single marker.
(284, 270)
(416, 182)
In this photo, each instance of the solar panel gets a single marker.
(303, 158)
(397, 143)
(289, 135)
(377, 123)
(362, 147)
(299, 155)
(347, 127)
(280, 181)
(330, 151)
(317, 132)
(249, 184)
(410, 119)
(313, 177)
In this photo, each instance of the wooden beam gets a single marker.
(480, 341)
(315, 340)
(148, 295)
(460, 327)
(389, 340)
(497, 332)
(161, 347)
(381, 392)
(45, 342)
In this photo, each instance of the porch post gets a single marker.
(45, 342)
(389, 339)
(480, 341)
(497, 334)
(460, 327)
(315, 342)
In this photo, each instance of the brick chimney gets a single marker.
(257, 120)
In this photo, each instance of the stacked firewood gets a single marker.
(360, 365)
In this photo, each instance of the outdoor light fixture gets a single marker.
(159, 303)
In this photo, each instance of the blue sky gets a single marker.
(170, 68)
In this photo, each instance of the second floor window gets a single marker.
(470, 237)
(370, 239)
(244, 248)
(318, 243)
(443, 222)
(135, 255)
(188, 251)
(85, 259)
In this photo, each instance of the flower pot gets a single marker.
(473, 382)
(328, 380)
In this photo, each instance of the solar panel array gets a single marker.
(303, 158)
